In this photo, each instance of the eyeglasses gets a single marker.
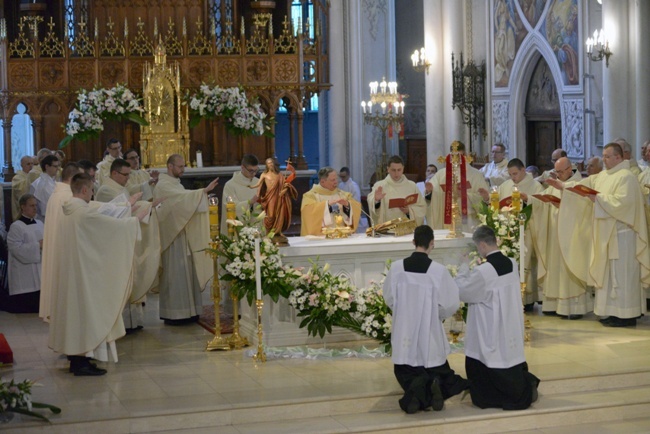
(252, 170)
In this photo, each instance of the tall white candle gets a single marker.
(258, 270)
(521, 253)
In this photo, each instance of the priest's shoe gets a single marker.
(88, 371)
(622, 322)
(574, 317)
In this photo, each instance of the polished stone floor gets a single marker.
(165, 370)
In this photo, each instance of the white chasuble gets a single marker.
(396, 190)
(238, 188)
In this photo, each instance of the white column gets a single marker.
(434, 82)
(642, 76)
(618, 116)
(339, 146)
(453, 42)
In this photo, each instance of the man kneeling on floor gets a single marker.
(494, 340)
(422, 294)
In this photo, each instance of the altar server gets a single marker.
(324, 202)
(422, 294)
(564, 293)
(89, 296)
(494, 340)
(607, 239)
(43, 187)
(395, 186)
(240, 189)
(184, 233)
(24, 242)
(147, 254)
(435, 195)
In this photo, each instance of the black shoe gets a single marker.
(88, 371)
(410, 403)
(549, 312)
(529, 307)
(607, 320)
(182, 321)
(437, 401)
(574, 317)
(622, 322)
(535, 392)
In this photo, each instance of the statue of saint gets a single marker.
(275, 193)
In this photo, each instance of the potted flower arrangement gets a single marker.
(241, 117)
(16, 398)
(93, 107)
(239, 265)
(505, 224)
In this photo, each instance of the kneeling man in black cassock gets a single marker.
(422, 294)
(494, 340)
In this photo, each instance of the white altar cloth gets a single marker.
(359, 257)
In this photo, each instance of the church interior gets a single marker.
(520, 73)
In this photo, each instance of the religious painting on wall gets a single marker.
(532, 10)
(509, 32)
(561, 30)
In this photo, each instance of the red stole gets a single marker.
(449, 192)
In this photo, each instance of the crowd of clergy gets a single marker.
(584, 253)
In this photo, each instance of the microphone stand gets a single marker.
(372, 224)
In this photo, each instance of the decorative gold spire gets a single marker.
(160, 56)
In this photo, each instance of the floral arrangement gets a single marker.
(323, 299)
(239, 266)
(373, 316)
(241, 116)
(93, 107)
(505, 224)
(16, 398)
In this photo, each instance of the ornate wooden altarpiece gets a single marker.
(48, 53)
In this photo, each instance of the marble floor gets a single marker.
(164, 370)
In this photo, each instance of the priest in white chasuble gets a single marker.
(147, 254)
(89, 296)
(113, 151)
(563, 292)
(395, 186)
(435, 195)
(240, 188)
(606, 242)
(324, 202)
(184, 234)
(52, 239)
(20, 184)
(140, 180)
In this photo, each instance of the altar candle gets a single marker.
(521, 252)
(258, 271)
(199, 159)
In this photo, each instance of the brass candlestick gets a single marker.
(236, 341)
(218, 342)
(527, 324)
(260, 356)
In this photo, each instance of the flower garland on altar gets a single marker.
(241, 117)
(93, 107)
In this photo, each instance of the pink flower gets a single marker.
(313, 300)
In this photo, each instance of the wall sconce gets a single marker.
(601, 45)
(420, 61)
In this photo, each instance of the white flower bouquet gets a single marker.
(16, 398)
(240, 115)
(505, 224)
(93, 107)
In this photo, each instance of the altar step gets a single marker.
(622, 398)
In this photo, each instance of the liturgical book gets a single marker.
(405, 201)
(582, 190)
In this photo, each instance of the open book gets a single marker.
(404, 201)
(582, 190)
(548, 198)
(505, 202)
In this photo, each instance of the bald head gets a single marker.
(594, 166)
(626, 147)
(175, 165)
(26, 163)
(557, 154)
(563, 168)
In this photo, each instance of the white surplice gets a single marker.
(420, 302)
(496, 173)
(42, 189)
(24, 257)
(238, 188)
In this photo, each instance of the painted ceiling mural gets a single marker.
(559, 29)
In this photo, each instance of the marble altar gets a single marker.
(359, 257)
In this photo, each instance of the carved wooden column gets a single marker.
(37, 125)
(7, 170)
(292, 134)
(301, 161)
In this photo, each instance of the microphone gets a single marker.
(372, 224)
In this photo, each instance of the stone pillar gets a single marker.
(7, 170)
(453, 38)
(642, 76)
(618, 115)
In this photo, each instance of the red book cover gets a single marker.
(406, 201)
(582, 190)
